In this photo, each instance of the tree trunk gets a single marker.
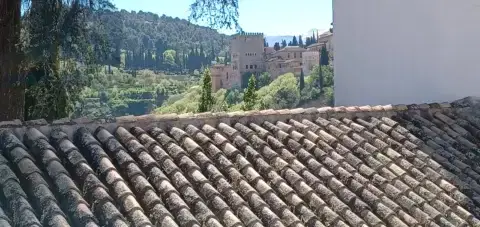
(12, 82)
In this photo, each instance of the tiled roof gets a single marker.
(400, 165)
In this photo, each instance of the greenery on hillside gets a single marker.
(281, 93)
(50, 49)
(143, 40)
(121, 93)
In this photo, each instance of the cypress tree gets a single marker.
(320, 74)
(324, 56)
(300, 41)
(301, 83)
(276, 46)
(250, 97)
(294, 41)
(206, 100)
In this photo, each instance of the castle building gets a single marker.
(248, 55)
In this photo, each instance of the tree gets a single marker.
(250, 97)
(206, 100)
(300, 41)
(284, 43)
(294, 41)
(263, 79)
(308, 41)
(320, 74)
(265, 44)
(12, 82)
(169, 57)
(276, 46)
(301, 83)
(324, 56)
(226, 58)
(58, 33)
(218, 13)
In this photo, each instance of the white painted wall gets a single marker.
(406, 51)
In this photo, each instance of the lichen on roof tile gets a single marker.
(390, 165)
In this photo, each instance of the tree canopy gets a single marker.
(218, 13)
(57, 31)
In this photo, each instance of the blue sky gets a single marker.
(272, 17)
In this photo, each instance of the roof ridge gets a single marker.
(339, 111)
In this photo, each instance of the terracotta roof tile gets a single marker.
(401, 165)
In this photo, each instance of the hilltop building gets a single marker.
(249, 55)
(311, 57)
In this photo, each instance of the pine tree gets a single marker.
(206, 100)
(250, 97)
(300, 41)
(284, 43)
(301, 83)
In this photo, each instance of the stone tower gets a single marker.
(247, 52)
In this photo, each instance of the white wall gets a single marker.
(406, 51)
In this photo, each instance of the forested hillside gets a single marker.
(143, 40)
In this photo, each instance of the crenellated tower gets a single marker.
(247, 52)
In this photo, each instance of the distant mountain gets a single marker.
(271, 40)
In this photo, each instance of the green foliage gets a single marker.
(125, 94)
(187, 103)
(56, 38)
(276, 46)
(327, 73)
(312, 90)
(250, 97)
(233, 96)
(169, 57)
(263, 79)
(294, 41)
(54, 97)
(282, 93)
(324, 56)
(143, 37)
(301, 82)
(218, 13)
(206, 99)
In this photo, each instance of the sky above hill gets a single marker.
(272, 17)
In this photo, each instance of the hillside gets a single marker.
(143, 37)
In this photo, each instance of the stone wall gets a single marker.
(224, 76)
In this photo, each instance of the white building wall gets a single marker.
(406, 51)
